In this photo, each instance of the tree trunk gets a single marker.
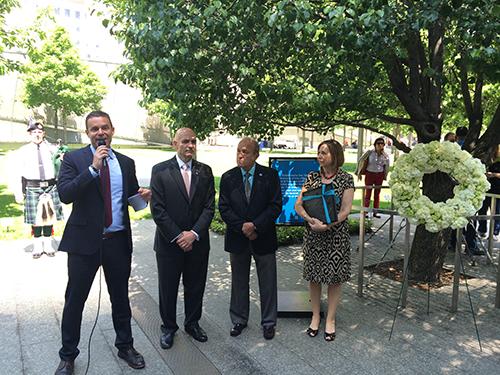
(303, 141)
(56, 122)
(429, 249)
(65, 130)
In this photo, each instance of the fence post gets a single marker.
(361, 254)
(405, 263)
(493, 207)
(391, 222)
(456, 272)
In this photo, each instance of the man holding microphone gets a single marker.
(98, 182)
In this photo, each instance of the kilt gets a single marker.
(31, 203)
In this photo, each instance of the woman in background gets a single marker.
(493, 175)
(374, 164)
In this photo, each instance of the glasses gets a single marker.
(380, 143)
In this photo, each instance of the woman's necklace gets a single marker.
(329, 177)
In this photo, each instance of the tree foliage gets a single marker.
(8, 38)
(256, 67)
(55, 76)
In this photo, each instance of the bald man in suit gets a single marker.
(182, 206)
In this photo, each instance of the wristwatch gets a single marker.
(94, 169)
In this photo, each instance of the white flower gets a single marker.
(446, 157)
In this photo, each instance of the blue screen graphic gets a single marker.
(292, 173)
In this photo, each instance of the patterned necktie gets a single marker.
(185, 177)
(248, 188)
(106, 194)
(40, 164)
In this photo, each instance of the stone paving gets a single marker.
(32, 296)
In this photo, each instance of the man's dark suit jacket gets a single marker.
(83, 231)
(263, 209)
(173, 212)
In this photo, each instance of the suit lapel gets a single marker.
(257, 177)
(195, 172)
(89, 157)
(239, 183)
(175, 172)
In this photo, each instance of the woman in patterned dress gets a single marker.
(326, 248)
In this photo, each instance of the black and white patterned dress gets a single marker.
(327, 254)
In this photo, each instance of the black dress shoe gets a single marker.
(196, 332)
(133, 358)
(269, 332)
(65, 368)
(237, 328)
(167, 340)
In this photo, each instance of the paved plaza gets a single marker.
(32, 297)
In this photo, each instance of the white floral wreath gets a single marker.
(446, 157)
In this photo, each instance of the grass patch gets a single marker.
(139, 215)
(349, 167)
(9, 146)
(8, 205)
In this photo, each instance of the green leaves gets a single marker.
(255, 67)
(56, 77)
(8, 38)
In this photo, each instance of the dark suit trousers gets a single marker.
(116, 259)
(240, 288)
(193, 268)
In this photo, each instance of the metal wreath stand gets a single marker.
(405, 224)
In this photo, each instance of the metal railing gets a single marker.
(458, 265)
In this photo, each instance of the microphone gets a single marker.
(102, 142)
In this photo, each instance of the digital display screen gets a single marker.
(292, 173)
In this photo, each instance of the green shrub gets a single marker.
(287, 235)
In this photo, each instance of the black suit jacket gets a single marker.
(76, 185)
(173, 212)
(263, 209)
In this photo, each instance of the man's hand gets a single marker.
(248, 230)
(101, 153)
(253, 236)
(185, 241)
(145, 194)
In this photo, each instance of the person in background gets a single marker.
(326, 247)
(374, 164)
(35, 184)
(450, 137)
(58, 156)
(493, 175)
(249, 203)
(469, 231)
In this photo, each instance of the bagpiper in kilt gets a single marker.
(37, 186)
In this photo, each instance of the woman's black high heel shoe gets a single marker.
(329, 336)
(312, 332)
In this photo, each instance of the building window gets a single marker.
(66, 13)
(77, 14)
(57, 10)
